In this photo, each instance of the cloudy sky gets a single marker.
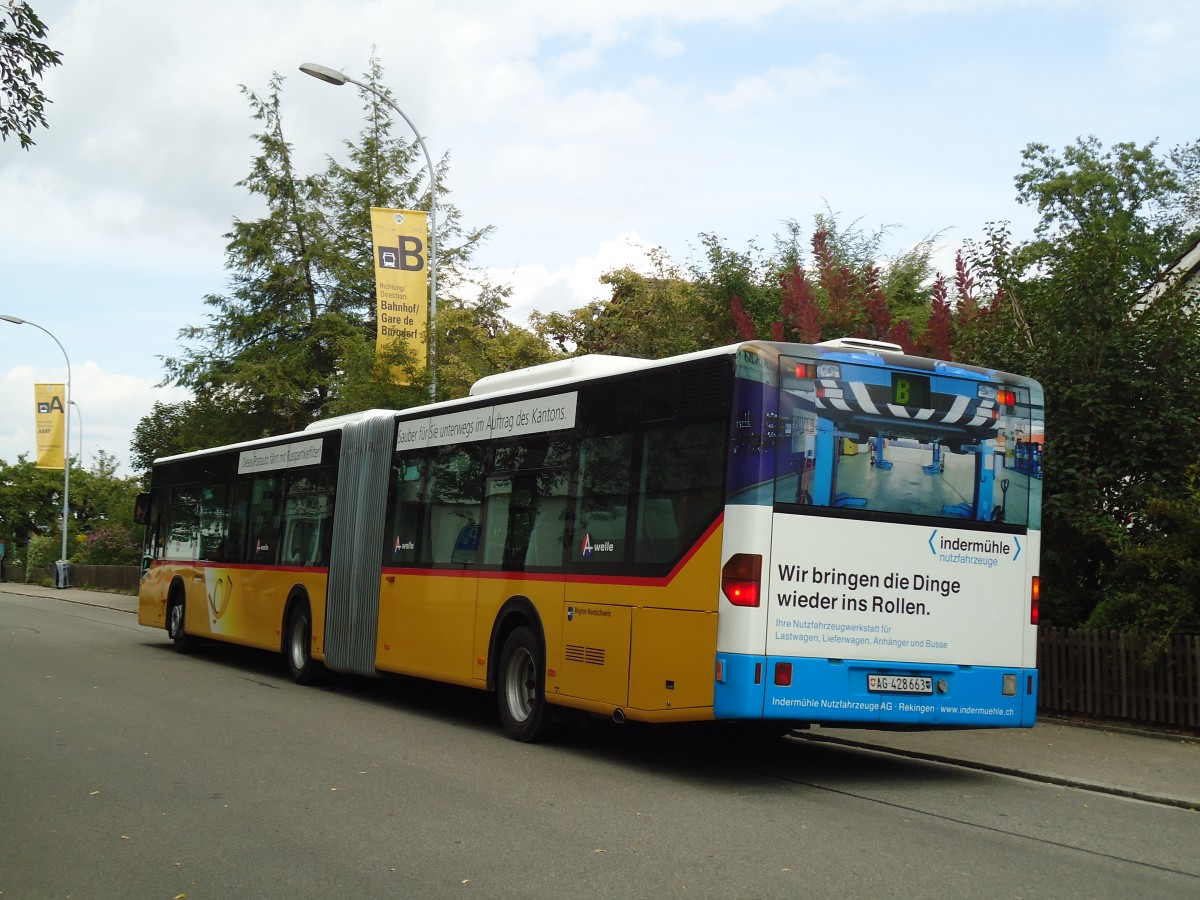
(582, 131)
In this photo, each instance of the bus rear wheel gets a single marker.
(521, 688)
(297, 646)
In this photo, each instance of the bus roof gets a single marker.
(581, 368)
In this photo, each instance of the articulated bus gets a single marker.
(794, 534)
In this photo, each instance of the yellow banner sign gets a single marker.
(49, 400)
(401, 240)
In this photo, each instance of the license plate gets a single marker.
(899, 684)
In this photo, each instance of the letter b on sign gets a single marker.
(412, 253)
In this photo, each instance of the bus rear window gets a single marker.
(856, 436)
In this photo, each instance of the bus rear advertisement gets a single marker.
(827, 533)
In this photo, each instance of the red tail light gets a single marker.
(783, 674)
(741, 578)
(1036, 600)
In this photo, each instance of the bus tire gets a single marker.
(184, 642)
(297, 646)
(521, 688)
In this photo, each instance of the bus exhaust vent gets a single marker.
(851, 343)
(593, 365)
(591, 655)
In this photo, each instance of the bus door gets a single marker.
(524, 532)
(182, 541)
(594, 625)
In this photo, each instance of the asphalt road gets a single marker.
(128, 771)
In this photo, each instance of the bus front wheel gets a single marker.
(184, 642)
(298, 646)
(521, 688)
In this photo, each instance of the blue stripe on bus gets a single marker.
(833, 691)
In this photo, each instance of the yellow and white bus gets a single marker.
(828, 533)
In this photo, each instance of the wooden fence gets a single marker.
(103, 578)
(1113, 675)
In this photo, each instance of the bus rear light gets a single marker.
(783, 674)
(1035, 600)
(741, 577)
(805, 371)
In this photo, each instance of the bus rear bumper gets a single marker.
(843, 692)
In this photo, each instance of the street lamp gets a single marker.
(79, 413)
(59, 581)
(333, 76)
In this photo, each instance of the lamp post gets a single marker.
(59, 581)
(333, 76)
(79, 413)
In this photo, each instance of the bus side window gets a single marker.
(214, 522)
(181, 526)
(547, 533)
(307, 518)
(525, 519)
(239, 520)
(602, 507)
(264, 520)
(405, 544)
(155, 528)
(455, 501)
(681, 489)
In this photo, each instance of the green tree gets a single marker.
(1121, 368)
(842, 287)
(1153, 585)
(647, 315)
(40, 554)
(293, 338)
(171, 428)
(24, 59)
(102, 512)
(100, 496)
(476, 339)
(270, 347)
(30, 505)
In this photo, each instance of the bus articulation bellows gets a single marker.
(834, 533)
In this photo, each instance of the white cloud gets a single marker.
(536, 287)
(665, 45)
(780, 86)
(1158, 44)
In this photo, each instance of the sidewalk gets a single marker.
(1151, 766)
(105, 599)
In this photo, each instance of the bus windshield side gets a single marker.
(944, 443)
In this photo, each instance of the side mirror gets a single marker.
(141, 509)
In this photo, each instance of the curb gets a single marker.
(1012, 771)
(1120, 728)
